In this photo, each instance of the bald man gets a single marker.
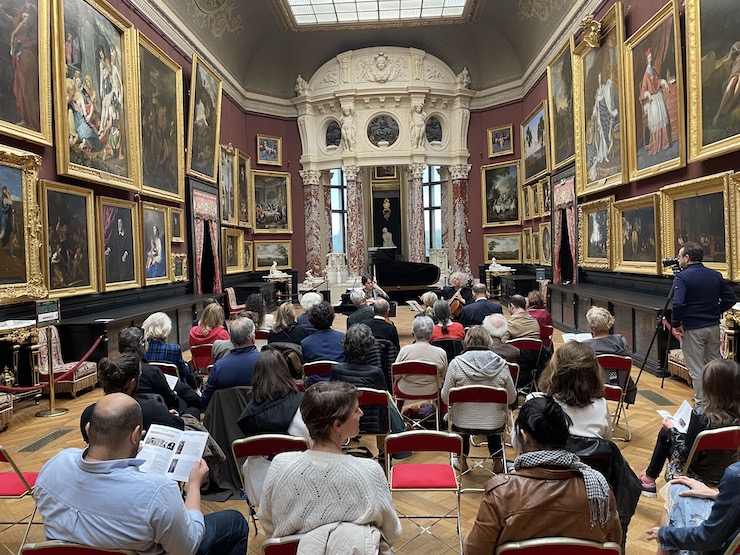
(98, 497)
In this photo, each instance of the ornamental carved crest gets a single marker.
(381, 68)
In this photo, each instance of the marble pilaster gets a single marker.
(415, 213)
(460, 215)
(311, 195)
(355, 223)
(444, 174)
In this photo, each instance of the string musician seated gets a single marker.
(458, 294)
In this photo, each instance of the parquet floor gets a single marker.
(27, 428)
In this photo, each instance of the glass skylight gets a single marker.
(344, 12)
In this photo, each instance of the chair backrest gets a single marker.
(526, 344)
(559, 546)
(318, 368)
(719, 439)
(167, 368)
(423, 440)
(452, 347)
(25, 488)
(619, 363)
(287, 545)
(231, 299)
(734, 547)
(56, 350)
(201, 356)
(546, 332)
(261, 334)
(267, 445)
(57, 547)
(612, 392)
(475, 394)
(514, 371)
(418, 367)
(375, 398)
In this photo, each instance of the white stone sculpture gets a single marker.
(387, 238)
(418, 123)
(348, 128)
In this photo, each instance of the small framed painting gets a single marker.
(119, 244)
(248, 263)
(179, 264)
(269, 150)
(267, 252)
(244, 189)
(636, 225)
(384, 172)
(535, 247)
(594, 234)
(506, 248)
(156, 244)
(177, 224)
(527, 245)
(545, 244)
(233, 245)
(500, 140)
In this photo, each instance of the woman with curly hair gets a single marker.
(256, 305)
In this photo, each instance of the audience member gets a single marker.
(372, 290)
(497, 326)
(207, 332)
(357, 344)
(474, 313)
(363, 311)
(157, 328)
(537, 310)
(380, 325)
(256, 305)
(521, 323)
(286, 329)
(427, 300)
(445, 328)
(325, 344)
(600, 322)
(308, 300)
(421, 349)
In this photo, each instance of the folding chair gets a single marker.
(622, 365)
(420, 368)
(532, 349)
(231, 302)
(407, 477)
(16, 485)
(201, 358)
(261, 335)
(319, 369)
(379, 400)
(734, 547)
(720, 439)
(167, 368)
(57, 547)
(546, 332)
(559, 546)
(514, 371)
(287, 545)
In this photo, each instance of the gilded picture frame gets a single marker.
(526, 245)
(654, 98)
(711, 59)
(545, 240)
(267, 252)
(535, 247)
(269, 150)
(636, 232)
(735, 224)
(500, 140)
(526, 203)
(155, 240)
(28, 118)
(384, 172)
(534, 191)
(21, 273)
(247, 259)
(699, 210)
(119, 244)
(545, 197)
(501, 194)
(227, 185)
(204, 121)
(96, 144)
(594, 234)
(271, 202)
(177, 225)
(560, 104)
(535, 138)
(161, 122)
(179, 267)
(244, 187)
(232, 242)
(506, 248)
(68, 220)
(597, 74)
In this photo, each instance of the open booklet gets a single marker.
(579, 337)
(171, 452)
(681, 418)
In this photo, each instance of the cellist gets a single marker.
(457, 295)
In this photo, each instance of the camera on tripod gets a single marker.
(669, 262)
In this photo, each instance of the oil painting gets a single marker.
(506, 248)
(267, 252)
(500, 191)
(204, 129)
(227, 185)
(156, 243)
(500, 140)
(560, 96)
(233, 245)
(594, 234)
(636, 225)
(269, 150)
(535, 144)
(243, 182)
(545, 244)
(119, 244)
(271, 202)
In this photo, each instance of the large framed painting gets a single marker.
(654, 96)
(598, 105)
(162, 126)
(594, 234)
(535, 137)
(244, 188)
(21, 276)
(25, 97)
(636, 225)
(526, 245)
(269, 150)
(712, 74)
(156, 243)
(545, 244)
(119, 244)
(500, 140)
(69, 231)
(501, 194)
(179, 264)
(95, 122)
(247, 258)
(560, 98)
(204, 121)
(698, 210)
(233, 245)
(506, 248)
(271, 202)
(227, 186)
(267, 252)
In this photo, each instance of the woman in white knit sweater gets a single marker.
(304, 491)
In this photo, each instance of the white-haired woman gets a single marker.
(600, 321)
(157, 328)
(457, 291)
(308, 301)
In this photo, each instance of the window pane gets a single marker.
(337, 225)
(336, 198)
(425, 195)
(437, 235)
(436, 194)
(336, 177)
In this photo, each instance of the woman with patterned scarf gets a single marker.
(552, 493)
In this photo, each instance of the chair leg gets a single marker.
(28, 529)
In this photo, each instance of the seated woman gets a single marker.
(537, 310)
(208, 331)
(421, 330)
(479, 365)
(308, 301)
(372, 290)
(552, 492)
(256, 305)
(157, 328)
(295, 497)
(600, 321)
(427, 300)
(721, 382)
(445, 328)
(286, 329)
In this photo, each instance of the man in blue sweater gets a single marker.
(700, 296)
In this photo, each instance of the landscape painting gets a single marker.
(535, 144)
(506, 248)
(500, 190)
(267, 252)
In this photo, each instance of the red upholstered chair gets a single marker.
(233, 306)
(84, 376)
(546, 332)
(320, 368)
(559, 546)
(261, 334)
(15, 484)
(533, 346)
(287, 545)
(720, 439)
(56, 547)
(167, 368)
(419, 368)
(379, 399)
(622, 365)
(201, 358)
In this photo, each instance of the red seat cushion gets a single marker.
(11, 485)
(423, 476)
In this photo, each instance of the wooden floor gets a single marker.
(26, 428)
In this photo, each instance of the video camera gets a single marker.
(669, 262)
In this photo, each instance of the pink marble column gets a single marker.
(415, 214)
(355, 223)
(328, 236)
(312, 196)
(444, 174)
(460, 215)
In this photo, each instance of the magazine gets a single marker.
(171, 452)
(681, 418)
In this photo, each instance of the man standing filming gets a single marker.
(700, 296)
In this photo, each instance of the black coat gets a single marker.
(271, 417)
(474, 313)
(360, 374)
(295, 333)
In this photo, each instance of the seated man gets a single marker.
(497, 326)
(382, 328)
(364, 311)
(521, 323)
(325, 344)
(474, 313)
(98, 497)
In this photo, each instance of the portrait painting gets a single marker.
(599, 108)
(95, 89)
(636, 225)
(177, 225)
(713, 77)
(546, 198)
(25, 94)
(161, 123)
(156, 243)
(535, 247)
(500, 140)
(267, 252)
(594, 239)
(269, 150)
(534, 192)
(244, 186)
(179, 265)
(545, 244)
(526, 245)
(527, 203)
(247, 259)
(119, 244)
(227, 185)
(500, 191)
(69, 232)
(506, 248)
(384, 172)
(204, 129)
(271, 202)
(560, 96)
(233, 245)
(535, 144)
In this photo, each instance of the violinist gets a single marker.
(456, 295)
(372, 290)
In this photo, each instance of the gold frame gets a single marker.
(519, 189)
(278, 155)
(136, 227)
(618, 208)
(245, 221)
(541, 107)
(200, 64)
(584, 211)
(567, 47)
(694, 76)
(613, 20)
(265, 173)
(257, 244)
(238, 234)
(179, 117)
(489, 134)
(34, 286)
(167, 278)
(491, 236)
(735, 224)
(536, 247)
(173, 267)
(65, 166)
(248, 261)
(377, 177)
(527, 240)
(535, 199)
(177, 238)
(542, 227)
(44, 135)
(527, 202)
(631, 105)
(227, 154)
(717, 183)
(87, 194)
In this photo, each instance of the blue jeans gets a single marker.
(226, 534)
